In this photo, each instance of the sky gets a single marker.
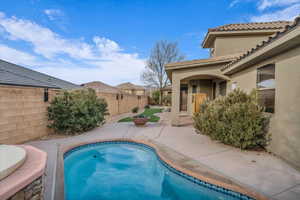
(110, 40)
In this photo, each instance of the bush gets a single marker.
(236, 120)
(147, 107)
(155, 97)
(76, 111)
(135, 109)
(167, 100)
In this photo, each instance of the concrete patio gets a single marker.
(259, 171)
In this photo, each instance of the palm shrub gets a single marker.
(76, 111)
(236, 119)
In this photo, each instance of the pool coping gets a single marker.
(58, 192)
(33, 168)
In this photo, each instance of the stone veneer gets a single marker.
(33, 191)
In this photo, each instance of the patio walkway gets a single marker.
(259, 171)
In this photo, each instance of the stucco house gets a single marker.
(265, 56)
(101, 87)
(130, 88)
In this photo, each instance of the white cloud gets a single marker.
(264, 4)
(54, 14)
(106, 46)
(233, 3)
(44, 41)
(288, 13)
(70, 59)
(15, 56)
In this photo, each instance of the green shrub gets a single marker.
(155, 97)
(167, 100)
(236, 119)
(146, 106)
(76, 111)
(135, 109)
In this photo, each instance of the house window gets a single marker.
(194, 89)
(222, 88)
(266, 87)
(266, 77)
(46, 95)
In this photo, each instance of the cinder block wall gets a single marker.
(122, 103)
(23, 112)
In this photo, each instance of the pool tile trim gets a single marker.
(216, 185)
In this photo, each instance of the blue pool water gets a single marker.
(128, 171)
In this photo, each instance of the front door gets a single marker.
(197, 100)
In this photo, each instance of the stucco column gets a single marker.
(175, 100)
(189, 98)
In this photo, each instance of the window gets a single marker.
(266, 77)
(266, 87)
(194, 89)
(222, 88)
(46, 95)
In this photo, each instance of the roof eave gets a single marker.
(286, 42)
(173, 66)
(28, 85)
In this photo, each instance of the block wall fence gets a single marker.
(23, 112)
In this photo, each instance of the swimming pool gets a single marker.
(126, 170)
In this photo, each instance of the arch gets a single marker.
(206, 75)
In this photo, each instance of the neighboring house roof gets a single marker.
(130, 86)
(102, 87)
(201, 62)
(12, 74)
(269, 41)
(243, 29)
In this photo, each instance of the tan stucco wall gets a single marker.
(285, 123)
(285, 127)
(235, 44)
(245, 80)
(23, 112)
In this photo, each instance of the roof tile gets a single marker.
(270, 39)
(252, 26)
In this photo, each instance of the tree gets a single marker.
(154, 75)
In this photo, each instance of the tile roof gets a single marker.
(252, 26)
(129, 85)
(207, 61)
(101, 87)
(270, 39)
(11, 74)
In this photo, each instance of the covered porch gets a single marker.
(193, 91)
(193, 82)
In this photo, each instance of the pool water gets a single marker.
(127, 171)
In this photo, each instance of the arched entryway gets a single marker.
(195, 89)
